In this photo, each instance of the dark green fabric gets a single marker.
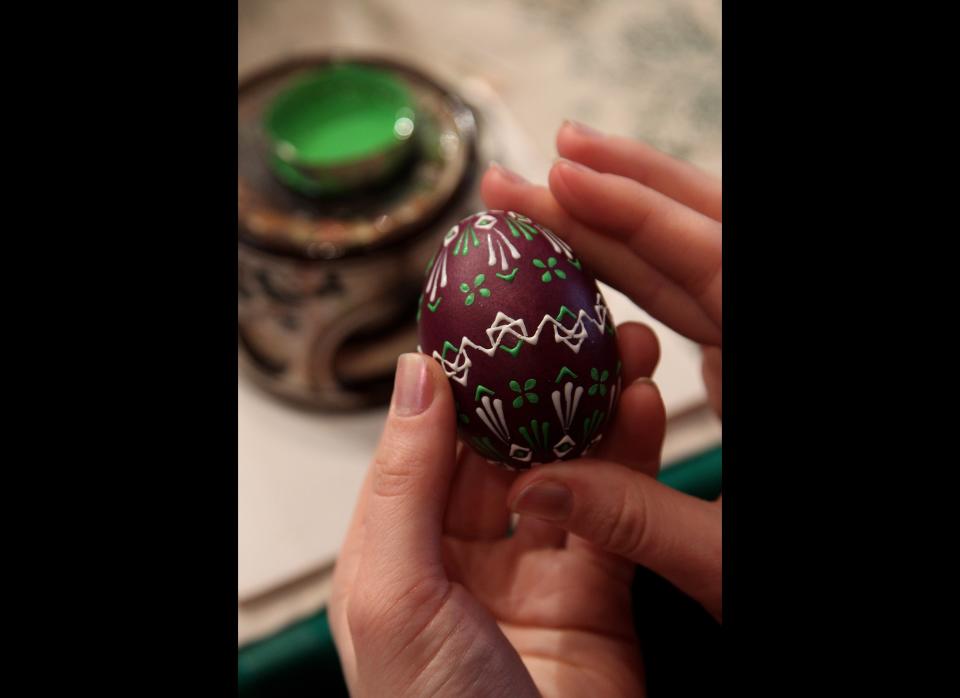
(301, 660)
(700, 476)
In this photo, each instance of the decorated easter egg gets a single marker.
(525, 338)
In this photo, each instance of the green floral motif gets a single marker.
(591, 424)
(550, 265)
(600, 379)
(477, 286)
(463, 244)
(522, 393)
(540, 436)
(519, 227)
(486, 448)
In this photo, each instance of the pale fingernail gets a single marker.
(550, 501)
(507, 173)
(572, 165)
(412, 387)
(583, 129)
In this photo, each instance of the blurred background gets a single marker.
(647, 69)
(318, 339)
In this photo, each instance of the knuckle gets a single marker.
(395, 472)
(623, 530)
(705, 283)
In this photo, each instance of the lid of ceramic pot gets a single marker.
(276, 217)
(340, 128)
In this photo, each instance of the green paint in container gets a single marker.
(339, 129)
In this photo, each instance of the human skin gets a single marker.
(431, 596)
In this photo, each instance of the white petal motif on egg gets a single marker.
(559, 246)
(493, 418)
(567, 407)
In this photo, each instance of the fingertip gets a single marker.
(645, 393)
(489, 184)
(556, 471)
(435, 370)
(498, 184)
(574, 138)
(563, 178)
(639, 350)
(520, 483)
(650, 418)
(555, 180)
(564, 135)
(637, 432)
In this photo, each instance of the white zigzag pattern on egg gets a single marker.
(459, 368)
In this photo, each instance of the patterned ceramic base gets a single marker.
(320, 277)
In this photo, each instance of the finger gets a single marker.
(533, 534)
(410, 480)
(344, 576)
(610, 259)
(640, 406)
(615, 565)
(635, 438)
(712, 369)
(642, 163)
(477, 508)
(639, 351)
(682, 244)
(629, 514)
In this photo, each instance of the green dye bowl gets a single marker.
(339, 129)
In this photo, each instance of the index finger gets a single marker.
(610, 259)
(642, 163)
(684, 245)
(410, 478)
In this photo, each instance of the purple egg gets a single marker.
(524, 335)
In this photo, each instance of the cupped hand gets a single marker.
(647, 224)
(650, 226)
(434, 596)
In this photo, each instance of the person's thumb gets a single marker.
(632, 515)
(411, 474)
